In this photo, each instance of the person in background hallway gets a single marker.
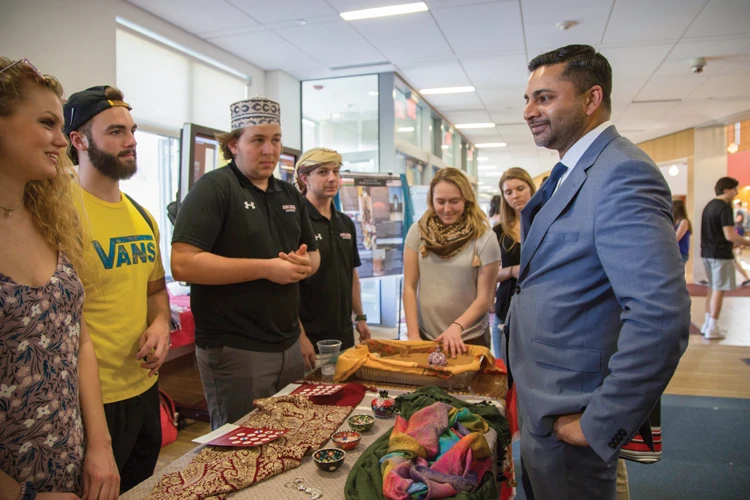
(601, 313)
(244, 241)
(54, 442)
(494, 213)
(682, 227)
(451, 260)
(127, 304)
(718, 239)
(517, 188)
(328, 298)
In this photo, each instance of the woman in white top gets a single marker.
(451, 262)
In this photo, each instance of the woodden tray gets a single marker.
(460, 381)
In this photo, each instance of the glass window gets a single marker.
(450, 145)
(408, 117)
(154, 185)
(342, 114)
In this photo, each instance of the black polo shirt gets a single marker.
(226, 214)
(326, 297)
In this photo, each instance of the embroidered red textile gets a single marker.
(217, 471)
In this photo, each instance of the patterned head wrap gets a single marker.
(312, 159)
(255, 111)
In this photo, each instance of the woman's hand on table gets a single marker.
(453, 343)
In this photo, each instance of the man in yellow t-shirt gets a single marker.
(126, 305)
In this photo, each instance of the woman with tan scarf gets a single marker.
(451, 261)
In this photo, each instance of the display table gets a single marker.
(490, 387)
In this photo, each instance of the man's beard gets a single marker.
(111, 165)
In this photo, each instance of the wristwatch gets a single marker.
(360, 317)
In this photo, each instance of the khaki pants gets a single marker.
(623, 489)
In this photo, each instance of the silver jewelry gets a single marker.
(299, 484)
(9, 211)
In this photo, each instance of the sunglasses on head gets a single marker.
(28, 63)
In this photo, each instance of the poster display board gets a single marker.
(376, 205)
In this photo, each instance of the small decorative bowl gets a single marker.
(347, 440)
(361, 422)
(329, 459)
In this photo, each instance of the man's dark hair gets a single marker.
(584, 67)
(725, 183)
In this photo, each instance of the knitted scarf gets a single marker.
(445, 241)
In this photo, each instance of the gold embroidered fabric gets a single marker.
(217, 471)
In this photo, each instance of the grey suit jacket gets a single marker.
(601, 314)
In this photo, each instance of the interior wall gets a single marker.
(676, 147)
(710, 165)
(285, 89)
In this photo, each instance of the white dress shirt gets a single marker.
(576, 151)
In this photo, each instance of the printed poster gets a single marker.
(376, 205)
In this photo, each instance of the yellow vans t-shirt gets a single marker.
(123, 256)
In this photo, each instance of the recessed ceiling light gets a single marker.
(406, 129)
(483, 158)
(487, 167)
(491, 145)
(373, 93)
(475, 125)
(392, 10)
(445, 146)
(447, 90)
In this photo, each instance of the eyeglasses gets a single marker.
(28, 63)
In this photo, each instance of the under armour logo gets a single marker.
(318, 236)
(249, 205)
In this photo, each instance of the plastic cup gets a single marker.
(328, 352)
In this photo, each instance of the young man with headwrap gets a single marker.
(328, 298)
(243, 240)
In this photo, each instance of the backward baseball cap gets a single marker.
(83, 106)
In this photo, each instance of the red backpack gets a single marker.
(169, 417)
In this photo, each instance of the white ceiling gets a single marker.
(487, 43)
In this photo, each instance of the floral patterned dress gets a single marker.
(41, 432)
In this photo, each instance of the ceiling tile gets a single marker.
(504, 96)
(475, 116)
(492, 71)
(727, 17)
(430, 75)
(642, 20)
(197, 16)
(455, 102)
(283, 10)
(723, 86)
(405, 38)
(334, 44)
(651, 110)
(629, 62)
(670, 87)
(508, 115)
(515, 133)
(541, 16)
(476, 29)
(267, 50)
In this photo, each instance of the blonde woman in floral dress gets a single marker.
(54, 442)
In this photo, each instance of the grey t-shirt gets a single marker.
(448, 287)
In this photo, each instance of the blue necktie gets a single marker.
(551, 183)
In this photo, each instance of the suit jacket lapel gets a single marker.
(564, 195)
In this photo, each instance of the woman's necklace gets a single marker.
(9, 211)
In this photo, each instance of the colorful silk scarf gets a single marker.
(439, 452)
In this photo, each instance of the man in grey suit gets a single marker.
(601, 313)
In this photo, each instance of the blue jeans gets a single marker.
(498, 338)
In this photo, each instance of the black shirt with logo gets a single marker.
(326, 297)
(717, 215)
(226, 214)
